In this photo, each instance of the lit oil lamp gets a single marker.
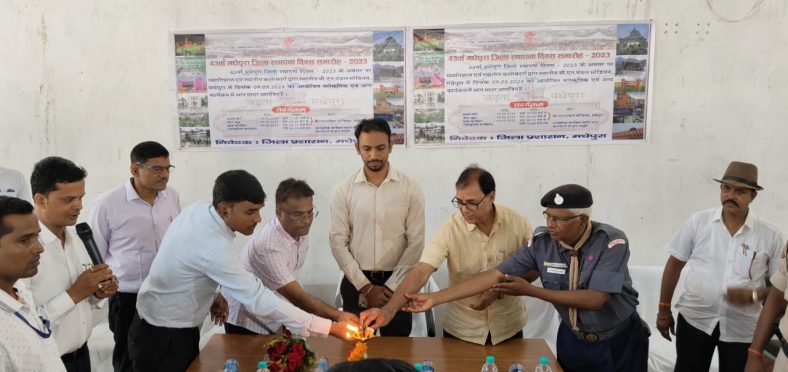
(361, 335)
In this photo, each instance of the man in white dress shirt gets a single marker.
(730, 255)
(67, 286)
(377, 227)
(12, 183)
(25, 336)
(128, 225)
(275, 254)
(195, 258)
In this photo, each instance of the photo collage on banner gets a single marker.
(192, 91)
(428, 86)
(629, 105)
(546, 83)
(285, 89)
(389, 81)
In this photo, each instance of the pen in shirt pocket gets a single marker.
(751, 262)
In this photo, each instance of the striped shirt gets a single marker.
(276, 258)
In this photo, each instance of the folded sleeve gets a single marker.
(227, 270)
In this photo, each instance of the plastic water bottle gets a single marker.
(321, 365)
(427, 366)
(489, 364)
(231, 365)
(262, 366)
(544, 365)
(516, 367)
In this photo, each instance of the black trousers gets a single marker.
(78, 360)
(694, 350)
(232, 329)
(400, 325)
(122, 308)
(516, 336)
(627, 351)
(153, 348)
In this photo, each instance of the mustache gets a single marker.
(730, 201)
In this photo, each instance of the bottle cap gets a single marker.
(490, 359)
(417, 366)
(262, 364)
(543, 361)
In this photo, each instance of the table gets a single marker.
(445, 353)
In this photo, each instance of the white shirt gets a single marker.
(780, 281)
(128, 231)
(22, 348)
(275, 258)
(12, 183)
(377, 228)
(59, 268)
(716, 261)
(197, 256)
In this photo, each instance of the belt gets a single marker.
(599, 336)
(377, 275)
(74, 355)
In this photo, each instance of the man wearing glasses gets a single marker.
(476, 238)
(583, 267)
(275, 255)
(128, 225)
(377, 227)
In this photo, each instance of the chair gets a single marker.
(647, 280)
(423, 323)
(543, 319)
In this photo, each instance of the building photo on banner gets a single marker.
(286, 88)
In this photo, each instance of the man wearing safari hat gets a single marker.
(583, 267)
(729, 253)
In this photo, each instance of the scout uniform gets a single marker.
(613, 338)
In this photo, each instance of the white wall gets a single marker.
(89, 79)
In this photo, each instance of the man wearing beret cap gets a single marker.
(583, 267)
(729, 254)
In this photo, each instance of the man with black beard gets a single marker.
(377, 227)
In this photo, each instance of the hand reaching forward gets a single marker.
(419, 302)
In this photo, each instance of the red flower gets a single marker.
(280, 349)
(273, 367)
(293, 361)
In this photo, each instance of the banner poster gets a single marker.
(550, 83)
(287, 89)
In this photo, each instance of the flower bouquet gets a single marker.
(288, 354)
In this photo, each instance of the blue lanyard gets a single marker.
(45, 321)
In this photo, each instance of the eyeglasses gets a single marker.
(156, 168)
(471, 206)
(557, 219)
(303, 216)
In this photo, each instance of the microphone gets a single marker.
(86, 234)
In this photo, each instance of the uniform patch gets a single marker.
(558, 200)
(559, 265)
(616, 242)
